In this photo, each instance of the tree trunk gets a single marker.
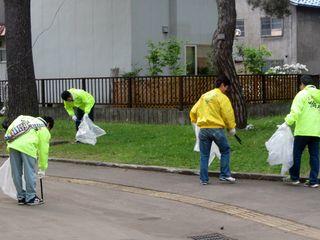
(222, 56)
(22, 90)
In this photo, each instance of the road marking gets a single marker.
(251, 215)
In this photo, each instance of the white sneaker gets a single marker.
(308, 184)
(289, 181)
(204, 183)
(227, 179)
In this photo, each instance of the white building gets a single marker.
(84, 38)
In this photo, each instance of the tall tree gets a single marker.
(222, 56)
(22, 90)
(278, 8)
(222, 43)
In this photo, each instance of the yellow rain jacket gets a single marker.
(213, 110)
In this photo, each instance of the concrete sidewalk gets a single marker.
(90, 212)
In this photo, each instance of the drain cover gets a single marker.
(214, 236)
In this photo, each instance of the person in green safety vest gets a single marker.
(305, 118)
(27, 139)
(78, 103)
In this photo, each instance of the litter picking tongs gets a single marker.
(41, 188)
(238, 139)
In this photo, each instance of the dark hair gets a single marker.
(5, 124)
(65, 95)
(222, 80)
(49, 121)
(306, 80)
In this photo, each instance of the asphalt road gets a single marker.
(79, 209)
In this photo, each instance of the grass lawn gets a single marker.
(166, 145)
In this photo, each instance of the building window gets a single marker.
(3, 57)
(204, 66)
(240, 26)
(271, 27)
(191, 60)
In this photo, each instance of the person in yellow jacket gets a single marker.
(305, 117)
(213, 113)
(78, 103)
(27, 139)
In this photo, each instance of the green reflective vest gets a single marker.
(305, 112)
(81, 99)
(34, 143)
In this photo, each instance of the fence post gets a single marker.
(181, 93)
(129, 92)
(43, 92)
(264, 92)
(298, 82)
(83, 83)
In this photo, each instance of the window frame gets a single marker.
(3, 49)
(270, 22)
(244, 29)
(195, 56)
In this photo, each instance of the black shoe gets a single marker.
(21, 201)
(35, 201)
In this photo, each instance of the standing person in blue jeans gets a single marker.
(305, 117)
(213, 113)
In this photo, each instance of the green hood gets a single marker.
(315, 93)
(305, 112)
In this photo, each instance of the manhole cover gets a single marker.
(214, 236)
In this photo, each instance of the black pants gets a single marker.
(79, 114)
(300, 142)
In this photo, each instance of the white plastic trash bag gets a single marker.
(214, 152)
(280, 148)
(6, 181)
(89, 132)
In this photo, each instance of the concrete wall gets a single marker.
(148, 17)
(191, 21)
(283, 47)
(309, 38)
(196, 20)
(87, 38)
(1, 11)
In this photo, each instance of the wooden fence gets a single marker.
(165, 91)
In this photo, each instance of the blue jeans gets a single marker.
(23, 164)
(206, 137)
(300, 142)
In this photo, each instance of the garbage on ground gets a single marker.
(89, 132)
(214, 152)
(249, 127)
(6, 182)
(280, 148)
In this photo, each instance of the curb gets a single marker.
(182, 171)
(250, 176)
